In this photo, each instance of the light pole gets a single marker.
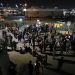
(24, 10)
(68, 25)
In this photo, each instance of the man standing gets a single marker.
(30, 68)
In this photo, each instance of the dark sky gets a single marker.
(46, 3)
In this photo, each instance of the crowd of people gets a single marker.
(42, 36)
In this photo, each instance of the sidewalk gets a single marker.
(68, 65)
(24, 71)
(20, 59)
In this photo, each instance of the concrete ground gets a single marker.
(21, 59)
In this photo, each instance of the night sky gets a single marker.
(46, 3)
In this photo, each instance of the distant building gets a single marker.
(38, 12)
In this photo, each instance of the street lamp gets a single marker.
(38, 22)
(20, 22)
(68, 25)
(24, 10)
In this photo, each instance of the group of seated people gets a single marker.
(25, 50)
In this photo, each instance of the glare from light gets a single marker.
(38, 20)
(46, 23)
(35, 64)
(16, 6)
(24, 9)
(61, 25)
(37, 25)
(64, 13)
(20, 19)
(27, 25)
(58, 26)
(25, 4)
(68, 23)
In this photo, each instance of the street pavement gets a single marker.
(21, 59)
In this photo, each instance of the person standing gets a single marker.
(29, 40)
(33, 41)
(60, 63)
(52, 43)
(30, 68)
(37, 68)
(0, 71)
(10, 40)
(14, 45)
